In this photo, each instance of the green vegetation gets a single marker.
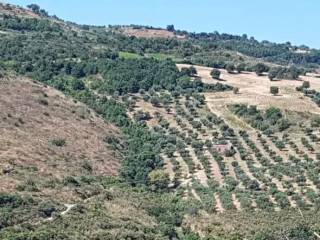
(215, 73)
(274, 90)
(110, 72)
(128, 55)
(272, 120)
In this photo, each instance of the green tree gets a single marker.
(34, 7)
(272, 73)
(274, 90)
(155, 101)
(159, 179)
(230, 68)
(260, 68)
(193, 71)
(215, 73)
(170, 28)
(240, 67)
(306, 84)
(190, 71)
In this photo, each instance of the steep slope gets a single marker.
(45, 134)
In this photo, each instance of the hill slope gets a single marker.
(45, 134)
(196, 150)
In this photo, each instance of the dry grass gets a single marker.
(255, 90)
(150, 33)
(32, 116)
(16, 11)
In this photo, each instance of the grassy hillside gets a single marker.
(115, 133)
(46, 136)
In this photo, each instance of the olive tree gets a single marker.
(215, 73)
(274, 90)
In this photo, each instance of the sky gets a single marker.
(296, 21)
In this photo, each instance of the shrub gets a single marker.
(235, 90)
(59, 142)
(260, 68)
(230, 68)
(159, 179)
(306, 84)
(215, 73)
(274, 90)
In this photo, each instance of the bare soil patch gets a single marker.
(150, 33)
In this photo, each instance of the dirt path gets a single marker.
(215, 169)
(195, 194)
(236, 202)
(274, 202)
(200, 174)
(69, 207)
(186, 175)
(169, 167)
(219, 206)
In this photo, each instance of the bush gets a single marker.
(230, 68)
(59, 142)
(260, 68)
(159, 179)
(306, 84)
(215, 73)
(274, 90)
(235, 90)
(46, 209)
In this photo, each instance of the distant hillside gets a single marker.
(208, 49)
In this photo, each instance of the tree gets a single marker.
(240, 67)
(235, 90)
(274, 90)
(272, 73)
(77, 84)
(293, 73)
(190, 71)
(170, 28)
(155, 101)
(159, 179)
(215, 73)
(230, 68)
(306, 84)
(260, 68)
(34, 8)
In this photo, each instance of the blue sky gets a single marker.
(275, 20)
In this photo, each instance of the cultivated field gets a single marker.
(220, 159)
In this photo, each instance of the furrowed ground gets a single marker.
(219, 158)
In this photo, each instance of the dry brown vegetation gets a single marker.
(17, 11)
(150, 33)
(255, 90)
(44, 134)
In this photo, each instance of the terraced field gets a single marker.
(222, 159)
